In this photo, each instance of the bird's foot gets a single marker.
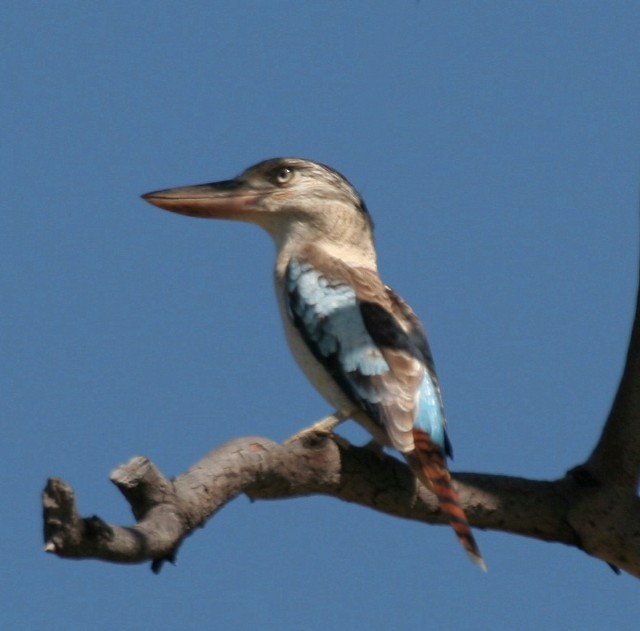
(323, 427)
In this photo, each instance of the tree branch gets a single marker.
(616, 457)
(594, 507)
(167, 512)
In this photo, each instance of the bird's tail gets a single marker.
(431, 468)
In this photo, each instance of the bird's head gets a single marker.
(285, 196)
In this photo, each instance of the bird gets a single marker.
(356, 340)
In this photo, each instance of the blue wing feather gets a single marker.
(430, 416)
(329, 318)
(346, 335)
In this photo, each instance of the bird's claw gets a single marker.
(323, 427)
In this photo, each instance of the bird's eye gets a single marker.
(283, 176)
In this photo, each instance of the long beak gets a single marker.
(224, 200)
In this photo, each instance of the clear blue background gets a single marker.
(497, 145)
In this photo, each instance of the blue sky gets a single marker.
(497, 146)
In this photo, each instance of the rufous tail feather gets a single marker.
(431, 468)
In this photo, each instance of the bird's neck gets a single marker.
(355, 249)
